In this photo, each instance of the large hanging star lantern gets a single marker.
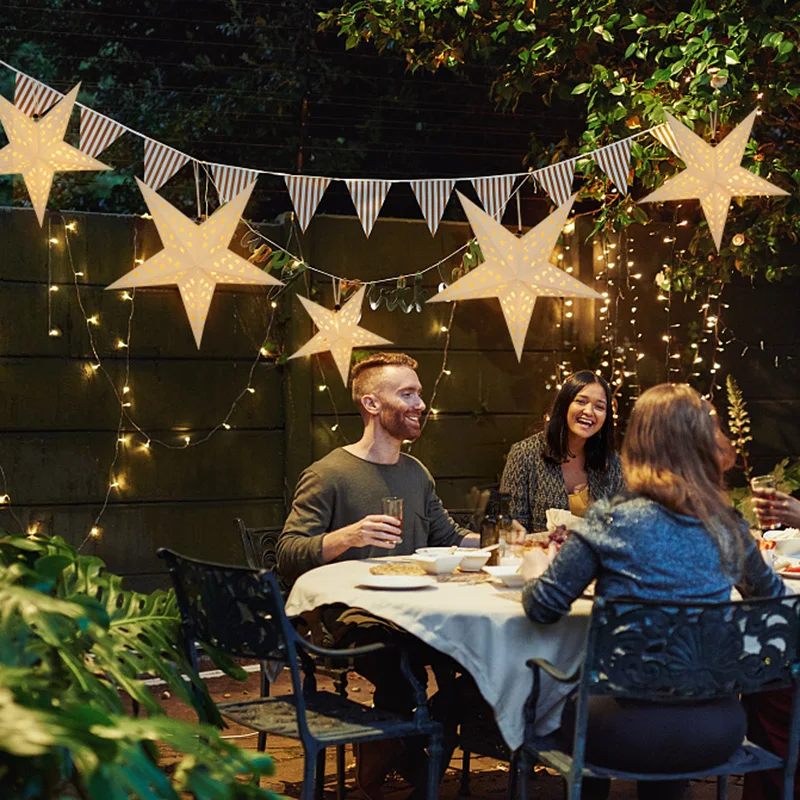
(338, 332)
(36, 149)
(713, 175)
(195, 257)
(516, 270)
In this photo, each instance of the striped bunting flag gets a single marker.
(160, 163)
(494, 193)
(306, 192)
(32, 97)
(615, 161)
(665, 135)
(98, 132)
(231, 180)
(432, 196)
(556, 180)
(368, 197)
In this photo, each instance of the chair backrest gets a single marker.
(685, 651)
(260, 546)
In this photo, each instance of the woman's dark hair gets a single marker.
(599, 446)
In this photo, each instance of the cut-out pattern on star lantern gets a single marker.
(338, 332)
(713, 175)
(195, 257)
(36, 149)
(515, 270)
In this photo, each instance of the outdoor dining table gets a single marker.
(479, 624)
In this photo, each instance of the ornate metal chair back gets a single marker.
(260, 546)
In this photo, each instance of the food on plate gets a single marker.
(397, 569)
(544, 539)
(795, 568)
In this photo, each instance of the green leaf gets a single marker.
(582, 88)
(731, 57)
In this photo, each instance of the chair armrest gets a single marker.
(553, 671)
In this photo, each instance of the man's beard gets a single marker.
(394, 422)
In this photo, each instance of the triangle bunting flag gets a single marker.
(556, 180)
(665, 135)
(432, 196)
(32, 97)
(98, 132)
(160, 163)
(368, 197)
(494, 193)
(230, 181)
(306, 191)
(615, 161)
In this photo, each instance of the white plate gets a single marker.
(396, 582)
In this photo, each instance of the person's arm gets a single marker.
(517, 475)
(305, 541)
(776, 508)
(758, 580)
(549, 597)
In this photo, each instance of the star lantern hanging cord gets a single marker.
(338, 332)
(195, 257)
(516, 270)
(36, 149)
(713, 175)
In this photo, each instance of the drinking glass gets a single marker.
(393, 507)
(764, 486)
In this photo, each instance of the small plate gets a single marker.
(396, 582)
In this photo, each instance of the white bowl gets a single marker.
(473, 560)
(508, 575)
(787, 541)
(438, 564)
(435, 552)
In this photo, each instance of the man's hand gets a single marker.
(374, 530)
(776, 508)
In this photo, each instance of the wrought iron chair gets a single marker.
(260, 552)
(674, 652)
(240, 612)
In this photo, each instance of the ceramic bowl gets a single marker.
(473, 560)
(508, 575)
(442, 564)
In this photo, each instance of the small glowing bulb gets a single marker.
(114, 484)
(146, 445)
(274, 304)
(251, 390)
(127, 296)
(568, 302)
(187, 439)
(335, 427)
(264, 351)
(434, 411)
(447, 371)
(54, 240)
(4, 498)
(71, 226)
(78, 274)
(121, 345)
(226, 425)
(568, 315)
(53, 287)
(95, 531)
(126, 405)
(95, 366)
(138, 261)
(569, 269)
(123, 439)
(322, 387)
(54, 332)
(665, 338)
(443, 328)
(93, 320)
(639, 356)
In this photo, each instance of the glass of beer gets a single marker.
(393, 507)
(764, 486)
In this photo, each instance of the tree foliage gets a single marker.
(624, 64)
(70, 639)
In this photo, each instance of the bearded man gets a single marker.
(333, 518)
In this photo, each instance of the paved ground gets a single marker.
(488, 776)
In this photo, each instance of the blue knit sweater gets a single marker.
(636, 548)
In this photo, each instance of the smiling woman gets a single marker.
(573, 462)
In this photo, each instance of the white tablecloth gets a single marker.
(486, 632)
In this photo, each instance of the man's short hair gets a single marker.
(363, 372)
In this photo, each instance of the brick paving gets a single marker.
(488, 776)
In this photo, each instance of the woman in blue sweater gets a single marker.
(673, 536)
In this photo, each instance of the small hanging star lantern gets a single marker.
(515, 270)
(713, 175)
(195, 257)
(36, 149)
(338, 332)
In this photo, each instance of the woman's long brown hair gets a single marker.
(674, 453)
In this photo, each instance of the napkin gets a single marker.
(559, 516)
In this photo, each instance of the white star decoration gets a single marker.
(713, 175)
(338, 332)
(36, 149)
(515, 270)
(195, 257)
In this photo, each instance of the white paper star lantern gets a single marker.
(515, 270)
(195, 257)
(36, 149)
(338, 332)
(713, 175)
